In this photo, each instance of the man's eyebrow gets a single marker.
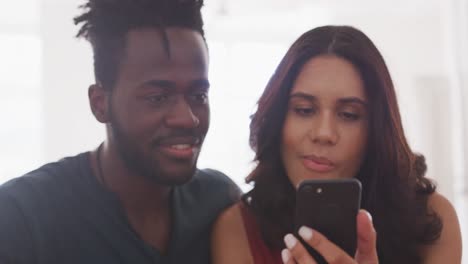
(165, 84)
(203, 83)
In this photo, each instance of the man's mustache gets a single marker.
(191, 136)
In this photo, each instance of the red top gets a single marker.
(261, 253)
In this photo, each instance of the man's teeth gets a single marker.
(181, 146)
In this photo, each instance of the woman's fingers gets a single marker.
(366, 247)
(329, 251)
(298, 252)
(287, 257)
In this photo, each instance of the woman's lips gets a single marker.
(318, 164)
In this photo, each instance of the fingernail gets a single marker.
(369, 215)
(285, 255)
(305, 232)
(290, 241)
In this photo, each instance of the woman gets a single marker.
(330, 111)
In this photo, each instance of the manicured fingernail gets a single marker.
(305, 232)
(285, 255)
(290, 241)
(369, 215)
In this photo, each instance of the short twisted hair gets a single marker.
(105, 24)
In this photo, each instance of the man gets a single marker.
(138, 198)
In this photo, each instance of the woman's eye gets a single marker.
(304, 111)
(349, 116)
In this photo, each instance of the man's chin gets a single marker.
(176, 177)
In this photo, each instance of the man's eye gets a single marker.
(201, 98)
(157, 98)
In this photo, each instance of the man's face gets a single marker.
(159, 112)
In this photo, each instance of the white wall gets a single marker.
(67, 72)
(20, 74)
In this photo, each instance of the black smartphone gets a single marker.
(329, 206)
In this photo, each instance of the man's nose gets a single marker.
(181, 115)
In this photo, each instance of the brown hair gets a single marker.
(395, 191)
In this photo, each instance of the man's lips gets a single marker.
(179, 147)
(317, 164)
(180, 151)
(181, 140)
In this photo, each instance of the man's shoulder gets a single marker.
(213, 177)
(209, 189)
(198, 203)
(25, 206)
(213, 182)
(43, 179)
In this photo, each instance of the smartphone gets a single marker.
(329, 206)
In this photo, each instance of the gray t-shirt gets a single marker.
(60, 213)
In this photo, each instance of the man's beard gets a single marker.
(141, 164)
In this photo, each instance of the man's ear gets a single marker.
(99, 103)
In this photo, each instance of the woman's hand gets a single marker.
(366, 247)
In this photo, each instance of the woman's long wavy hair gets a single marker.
(395, 190)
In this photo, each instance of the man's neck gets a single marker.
(137, 193)
(146, 203)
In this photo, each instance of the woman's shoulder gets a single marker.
(439, 204)
(230, 221)
(448, 248)
(231, 215)
(229, 240)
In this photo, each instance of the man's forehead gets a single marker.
(149, 48)
(164, 43)
(146, 57)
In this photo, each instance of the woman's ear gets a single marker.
(98, 102)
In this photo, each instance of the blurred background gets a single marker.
(45, 73)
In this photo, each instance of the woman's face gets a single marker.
(325, 132)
